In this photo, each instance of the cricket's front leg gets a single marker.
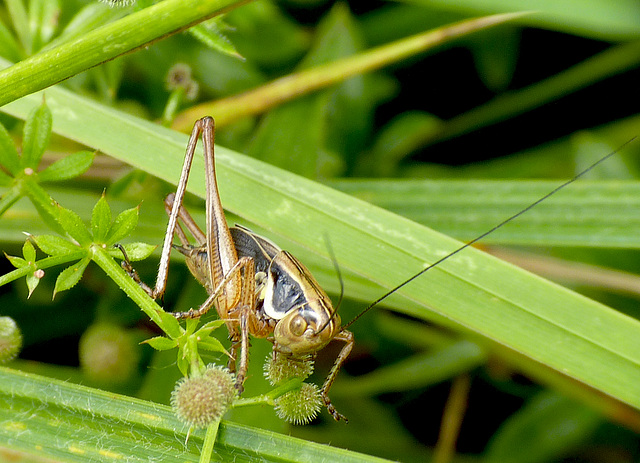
(127, 267)
(347, 338)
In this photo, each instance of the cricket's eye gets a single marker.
(298, 325)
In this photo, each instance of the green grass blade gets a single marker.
(588, 213)
(518, 312)
(66, 422)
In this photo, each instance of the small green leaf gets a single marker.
(37, 132)
(33, 280)
(161, 343)
(8, 154)
(73, 225)
(135, 251)
(67, 167)
(28, 251)
(210, 33)
(70, 276)
(170, 325)
(100, 220)
(44, 204)
(54, 245)
(17, 262)
(124, 224)
(191, 324)
(210, 326)
(211, 344)
(183, 364)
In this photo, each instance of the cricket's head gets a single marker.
(306, 318)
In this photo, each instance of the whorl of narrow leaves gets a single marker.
(202, 400)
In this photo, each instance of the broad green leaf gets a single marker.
(124, 224)
(67, 167)
(70, 276)
(8, 154)
(476, 206)
(54, 245)
(137, 430)
(100, 220)
(37, 132)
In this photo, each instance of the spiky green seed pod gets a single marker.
(283, 367)
(300, 406)
(199, 401)
(10, 339)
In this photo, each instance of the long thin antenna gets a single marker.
(485, 234)
(332, 255)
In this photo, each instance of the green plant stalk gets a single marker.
(294, 85)
(209, 441)
(106, 43)
(126, 283)
(269, 397)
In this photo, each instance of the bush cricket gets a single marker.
(259, 289)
